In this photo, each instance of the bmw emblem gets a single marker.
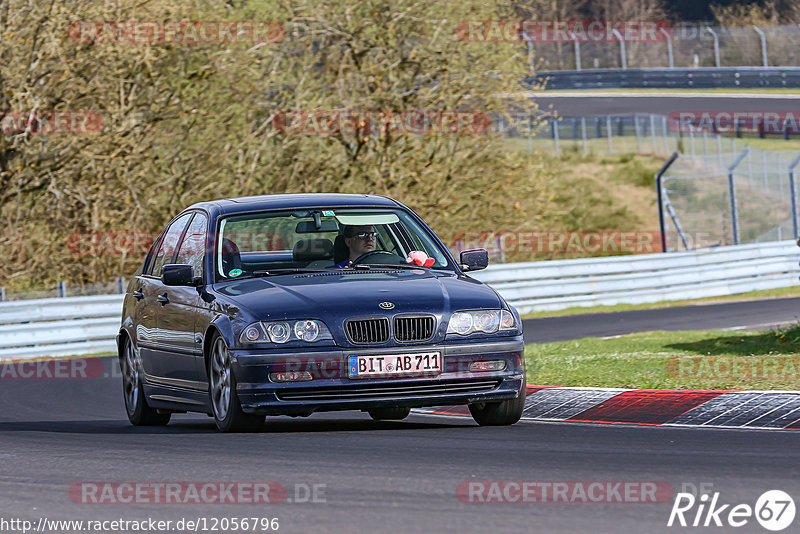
(386, 305)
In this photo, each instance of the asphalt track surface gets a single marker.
(738, 315)
(378, 477)
(601, 104)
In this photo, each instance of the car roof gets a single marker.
(293, 201)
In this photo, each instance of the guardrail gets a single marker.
(59, 326)
(685, 78)
(554, 285)
(85, 325)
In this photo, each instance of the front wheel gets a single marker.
(228, 414)
(139, 413)
(501, 413)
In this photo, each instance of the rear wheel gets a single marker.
(501, 413)
(381, 414)
(139, 413)
(228, 414)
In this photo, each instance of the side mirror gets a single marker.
(178, 275)
(474, 259)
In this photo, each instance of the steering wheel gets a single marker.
(381, 257)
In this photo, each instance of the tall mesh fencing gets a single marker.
(692, 46)
(729, 198)
(638, 133)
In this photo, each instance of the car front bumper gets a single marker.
(332, 389)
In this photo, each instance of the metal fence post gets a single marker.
(732, 196)
(530, 134)
(583, 135)
(622, 54)
(554, 126)
(636, 132)
(763, 45)
(653, 131)
(61, 289)
(793, 193)
(716, 44)
(691, 139)
(2, 294)
(659, 194)
(666, 134)
(577, 52)
(608, 133)
(531, 56)
(120, 285)
(669, 47)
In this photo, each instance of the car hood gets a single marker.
(336, 296)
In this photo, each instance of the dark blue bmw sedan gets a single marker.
(295, 304)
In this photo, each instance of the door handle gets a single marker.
(138, 295)
(163, 299)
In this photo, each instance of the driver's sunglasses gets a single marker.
(365, 235)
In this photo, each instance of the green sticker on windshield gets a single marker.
(234, 272)
(327, 213)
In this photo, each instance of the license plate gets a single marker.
(391, 365)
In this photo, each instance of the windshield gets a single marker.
(259, 244)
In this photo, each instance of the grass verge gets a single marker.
(714, 359)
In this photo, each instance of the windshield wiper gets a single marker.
(397, 266)
(276, 272)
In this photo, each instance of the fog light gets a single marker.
(482, 367)
(291, 376)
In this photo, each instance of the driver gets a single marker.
(359, 240)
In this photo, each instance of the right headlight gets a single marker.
(465, 323)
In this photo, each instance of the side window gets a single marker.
(151, 256)
(193, 246)
(169, 243)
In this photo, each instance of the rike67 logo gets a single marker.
(774, 510)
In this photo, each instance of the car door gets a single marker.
(178, 314)
(150, 339)
(144, 294)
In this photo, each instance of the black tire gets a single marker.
(501, 413)
(384, 414)
(139, 413)
(225, 405)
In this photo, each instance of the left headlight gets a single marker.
(307, 330)
(465, 323)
